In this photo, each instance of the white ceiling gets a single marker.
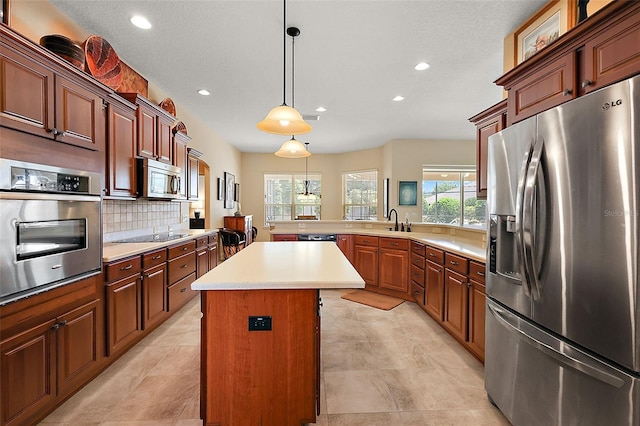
(352, 57)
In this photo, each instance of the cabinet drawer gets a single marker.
(362, 240)
(394, 243)
(181, 249)
(181, 267)
(123, 268)
(417, 260)
(456, 263)
(213, 239)
(417, 292)
(476, 271)
(418, 248)
(417, 275)
(435, 255)
(202, 242)
(179, 293)
(154, 258)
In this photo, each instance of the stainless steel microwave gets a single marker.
(158, 180)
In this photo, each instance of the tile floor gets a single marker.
(379, 367)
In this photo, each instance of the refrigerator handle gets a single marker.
(519, 237)
(559, 356)
(528, 211)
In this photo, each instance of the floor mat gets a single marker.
(375, 300)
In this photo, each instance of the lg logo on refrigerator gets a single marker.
(607, 105)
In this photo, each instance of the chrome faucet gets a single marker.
(394, 211)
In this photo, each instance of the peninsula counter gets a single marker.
(260, 332)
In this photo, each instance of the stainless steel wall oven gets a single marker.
(50, 227)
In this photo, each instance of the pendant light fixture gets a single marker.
(293, 148)
(307, 196)
(283, 119)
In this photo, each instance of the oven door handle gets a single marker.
(55, 197)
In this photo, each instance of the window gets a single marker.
(360, 195)
(285, 198)
(442, 190)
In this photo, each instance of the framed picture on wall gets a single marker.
(408, 193)
(220, 189)
(236, 193)
(229, 190)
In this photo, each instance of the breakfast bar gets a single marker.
(260, 333)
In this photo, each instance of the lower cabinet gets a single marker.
(434, 284)
(284, 237)
(154, 296)
(123, 312)
(181, 273)
(212, 250)
(394, 264)
(477, 308)
(45, 360)
(365, 259)
(345, 244)
(455, 303)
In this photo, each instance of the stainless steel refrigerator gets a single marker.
(563, 306)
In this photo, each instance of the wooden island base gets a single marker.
(265, 377)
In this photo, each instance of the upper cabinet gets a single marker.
(122, 148)
(600, 51)
(44, 97)
(181, 140)
(155, 139)
(488, 122)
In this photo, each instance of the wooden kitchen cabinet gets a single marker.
(418, 252)
(345, 244)
(456, 301)
(202, 256)
(123, 287)
(477, 308)
(154, 282)
(43, 98)
(394, 264)
(121, 150)
(602, 50)
(180, 141)
(212, 250)
(434, 283)
(154, 129)
(49, 347)
(366, 259)
(193, 167)
(182, 272)
(284, 237)
(488, 122)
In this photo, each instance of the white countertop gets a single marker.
(283, 265)
(114, 251)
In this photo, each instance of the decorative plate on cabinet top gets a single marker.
(168, 105)
(64, 47)
(180, 127)
(102, 61)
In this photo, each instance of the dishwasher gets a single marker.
(317, 237)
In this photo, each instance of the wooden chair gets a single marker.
(232, 241)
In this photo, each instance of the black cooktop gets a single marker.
(152, 238)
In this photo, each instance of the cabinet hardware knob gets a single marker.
(586, 83)
(63, 323)
(394, 244)
(182, 290)
(183, 266)
(432, 254)
(480, 273)
(185, 248)
(125, 268)
(453, 263)
(566, 92)
(469, 285)
(55, 326)
(156, 257)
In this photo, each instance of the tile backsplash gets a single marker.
(141, 216)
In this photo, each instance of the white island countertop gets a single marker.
(283, 265)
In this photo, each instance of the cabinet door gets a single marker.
(27, 377)
(202, 262)
(123, 312)
(27, 94)
(213, 255)
(80, 116)
(345, 244)
(366, 263)
(550, 86)
(394, 270)
(477, 302)
(154, 296)
(164, 140)
(484, 130)
(613, 55)
(79, 345)
(284, 237)
(434, 290)
(456, 301)
(121, 155)
(146, 132)
(192, 179)
(180, 160)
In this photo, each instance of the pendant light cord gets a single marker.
(284, 54)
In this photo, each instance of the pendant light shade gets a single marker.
(293, 148)
(284, 119)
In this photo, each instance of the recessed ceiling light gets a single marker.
(398, 98)
(204, 92)
(422, 66)
(321, 109)
(140, 22)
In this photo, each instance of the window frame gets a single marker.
(297, 184)
(370, 205)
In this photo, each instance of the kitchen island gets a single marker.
(260, 333)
